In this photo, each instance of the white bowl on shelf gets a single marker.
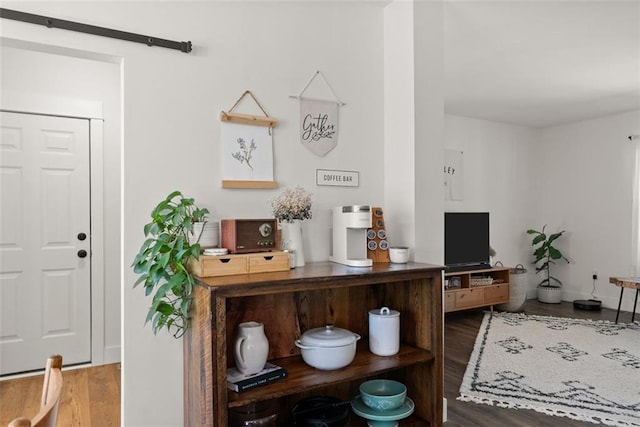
(399, 254)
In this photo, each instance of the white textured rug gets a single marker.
(581, 369)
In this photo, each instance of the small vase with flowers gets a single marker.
(290, 208)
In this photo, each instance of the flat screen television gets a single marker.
(466, 240)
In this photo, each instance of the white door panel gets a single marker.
(45, 286)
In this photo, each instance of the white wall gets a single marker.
(497, 179)
(399, 126)
(414, 126)
(575, 177)
(172, 101)
(271, 49)
(429, 130)
(31, 72)
(585, 172)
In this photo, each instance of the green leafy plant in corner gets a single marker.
(546, 254)
(162, 261)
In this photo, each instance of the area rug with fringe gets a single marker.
(581, 369)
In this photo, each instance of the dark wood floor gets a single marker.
(460, 332)
(92, 396)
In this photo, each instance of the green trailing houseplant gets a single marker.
(162, 261)
(545, 255)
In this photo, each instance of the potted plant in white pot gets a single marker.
(162, 260)
(550, 288)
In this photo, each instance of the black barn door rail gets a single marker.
(92, 29)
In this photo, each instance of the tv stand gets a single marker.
(477, 288)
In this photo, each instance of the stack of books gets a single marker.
(238, 382)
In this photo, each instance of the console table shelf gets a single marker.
(468, 296)
(303, 378)
(291, 302)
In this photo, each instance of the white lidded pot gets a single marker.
(384, 331)
(328, 347)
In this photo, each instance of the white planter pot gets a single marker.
(549, 295)
(206, 233)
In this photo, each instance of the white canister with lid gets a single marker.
(384, 331)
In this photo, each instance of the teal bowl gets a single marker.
(383, 395)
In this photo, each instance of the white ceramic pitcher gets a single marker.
(252, 348)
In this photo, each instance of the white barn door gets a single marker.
(45, 241)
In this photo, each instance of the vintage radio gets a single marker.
(249, 235)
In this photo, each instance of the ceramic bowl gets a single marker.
(383, 395)
(399, 254)
(382, 418)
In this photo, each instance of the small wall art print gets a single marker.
(247, 152)
(319, 125)
(453, 175)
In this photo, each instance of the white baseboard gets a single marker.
(112, 354)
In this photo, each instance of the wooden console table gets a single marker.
(291, 302)
(626, 282)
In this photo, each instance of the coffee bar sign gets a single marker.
(337, 178)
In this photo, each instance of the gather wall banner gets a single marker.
(318, 125)
(318, 119)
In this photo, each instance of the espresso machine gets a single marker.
(349, 235)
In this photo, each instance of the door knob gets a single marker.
(82, 236)
(82, 253)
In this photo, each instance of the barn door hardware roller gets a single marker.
(92, 29)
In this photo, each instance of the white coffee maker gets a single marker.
(349, 235)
